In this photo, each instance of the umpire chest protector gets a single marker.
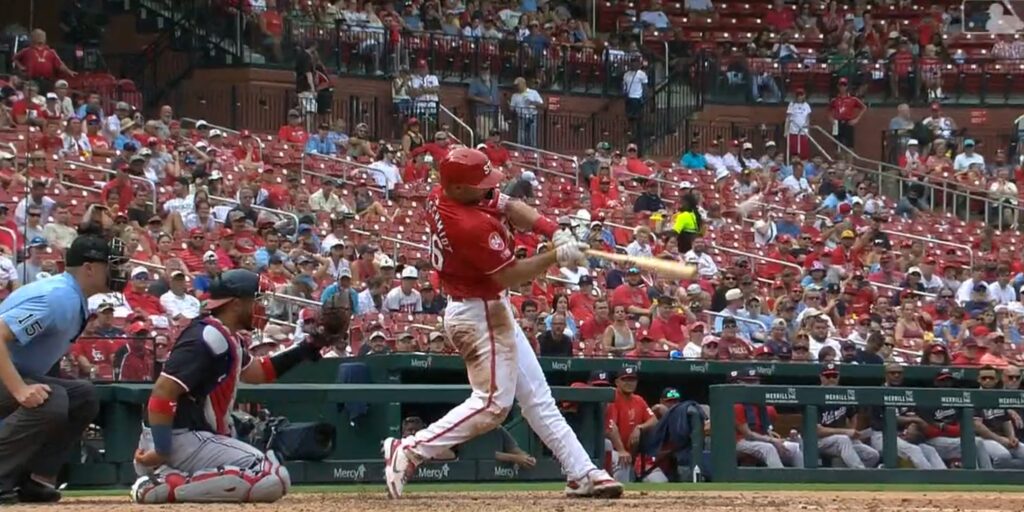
(207, 361)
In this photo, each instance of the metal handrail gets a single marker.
(261, 208)
(392, 239)
(970, 251)
(573, 159)
(717, 314)
(81, 187)
(537, 168)
(323, 176)
(460, 122)
(342, 161)
(149, 184)
(219, 127)
(730, 250)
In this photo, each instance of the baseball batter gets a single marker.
(471, 247)
(187, 453)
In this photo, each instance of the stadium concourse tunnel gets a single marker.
(418, 384)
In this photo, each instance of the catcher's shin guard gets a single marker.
(264, 484)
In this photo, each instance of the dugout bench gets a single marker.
(809, 398)
(356, 456)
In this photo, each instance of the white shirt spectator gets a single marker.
(636, 249)
(524, 103)
(335, 268)
(111, 127)
(1003, 190)
(656, 19)
(397, 300)
(331, 203)
(59, 236)
(366, 304)
(933, 284)
(797, 185)
(182, 205)
(798, 114)
(633, 83)
(963, 294)
(963, 161)
(76, 146)
(420, 82)
(574, 276)
(1001, 294)
(731, 163)
(942, 126)
(715, 161)
(46, 204)
(387, 174)
(751, 163)
(185, 305)
(706, 265)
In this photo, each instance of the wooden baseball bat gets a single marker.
(667, 268)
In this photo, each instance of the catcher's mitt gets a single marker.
(328, 326)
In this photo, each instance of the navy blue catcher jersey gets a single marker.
(207, 360)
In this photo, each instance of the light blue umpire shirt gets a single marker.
(45, 317)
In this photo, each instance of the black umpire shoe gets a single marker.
(32, 491)
(8, 497)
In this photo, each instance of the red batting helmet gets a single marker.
(470, 167)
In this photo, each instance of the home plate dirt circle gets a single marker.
(537, 501)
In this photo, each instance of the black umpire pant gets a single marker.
(39, 440)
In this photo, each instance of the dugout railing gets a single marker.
(809, 398)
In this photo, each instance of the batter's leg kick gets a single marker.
(502, 366)
(209, 468)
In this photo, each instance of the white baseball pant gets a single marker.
(854, 454)
(922, 456)
(949, 449)
(502, 367)
(1002, 457)
(769, 455)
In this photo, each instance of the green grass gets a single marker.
(557, 487)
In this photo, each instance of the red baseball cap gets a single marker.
(136, 327)
(470, 167)
(226, 232)
(843, 81)
(195, 231)
(245, 134)
(152, 141)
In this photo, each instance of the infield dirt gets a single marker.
(550, 501)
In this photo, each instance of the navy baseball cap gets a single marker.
(944, 374)
(233, 284)
(830, 369)
(37, 241)
(599, 378)
(629, 372)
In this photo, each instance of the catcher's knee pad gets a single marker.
(271, 483)
(156, 488)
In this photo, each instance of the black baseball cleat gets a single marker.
(8, 497)
(32, 491)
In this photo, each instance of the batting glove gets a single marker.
(571, 252)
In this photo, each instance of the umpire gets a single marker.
(42, 416)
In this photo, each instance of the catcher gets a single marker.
(187, 452)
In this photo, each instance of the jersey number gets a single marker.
(436, 252)
(34, 327)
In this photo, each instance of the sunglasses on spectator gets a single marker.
(800, 348)
(889, 344)
(1015, 376)
(895, 372)
(728, 278)
(986, 377)
(34, 214)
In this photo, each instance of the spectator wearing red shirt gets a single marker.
(780, 17)
(438, 149)
(137, 364)
(99, 144)
(51, 141)
(846, 110)
(593, 328)
(730, 346)
(646, 347)
(28, 110)
(970, 353)
(604, 196)
(249, 151)
(195, 250)
(137, 295)
(902, 64)
(628, 416)
(581, 302)
(39, 61)
(495, 152)
(668, 325)
(98, 353)
(632, 294)
(272, 27)
(634, 165)
(122, 183)
(293, 132)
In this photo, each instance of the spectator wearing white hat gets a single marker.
(404, 297)
(177, 302)
(733, 304)
(912, 160)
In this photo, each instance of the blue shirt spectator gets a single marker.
(693, 160)
(321, 143)
(333, 288)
